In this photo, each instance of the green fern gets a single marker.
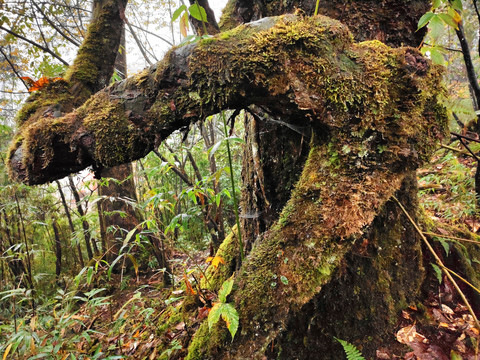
(350, 350)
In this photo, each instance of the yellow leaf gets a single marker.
(32, 346)
(209, 259)
(217, 260)
(33, 322)
(7, 350)
(457, 17)
(184, 24)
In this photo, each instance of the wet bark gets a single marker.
(393, 22)
(379, 277)
(367, 135)
(345, 308)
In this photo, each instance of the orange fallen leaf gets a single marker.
(40, 83)
(217, 260)
(409, 335)
(190, 290)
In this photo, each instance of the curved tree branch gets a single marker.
(127, 120)
(375, 114)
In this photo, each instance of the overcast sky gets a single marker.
(135, 60)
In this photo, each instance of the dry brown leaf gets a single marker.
(409, 334)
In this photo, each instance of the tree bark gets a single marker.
(273, 158)
(393, 22)
(374, 115)
(58, 251)
(125, 121)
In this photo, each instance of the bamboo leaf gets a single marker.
(134, 262)
(129, 236)
(7, 350)
(438, 272)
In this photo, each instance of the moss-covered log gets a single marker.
(307, 68)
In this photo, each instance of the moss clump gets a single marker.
(53, 99)
(114, 134)
(375, 104)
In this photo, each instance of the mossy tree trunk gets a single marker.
(363, 301)
(374, 116)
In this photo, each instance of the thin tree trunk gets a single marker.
(58, 251)
(81, 213)
(70, 222)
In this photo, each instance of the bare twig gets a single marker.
(31, 42)
(440, 263)
(13, 68)
(57, 29)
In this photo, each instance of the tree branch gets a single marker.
(31, 42)
(127, 120)
(467, 58)
(13, 68)
(57, 29)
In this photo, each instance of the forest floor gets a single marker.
(142, 319)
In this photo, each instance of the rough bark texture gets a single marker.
(273, 158)
(374, 115)
(285, 65)
(88, 74)
(118, 215)
(210, 26)
(380, 276)
(391, 21)
(276, 153)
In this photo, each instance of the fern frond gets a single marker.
(350, 350)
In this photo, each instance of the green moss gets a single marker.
(55, 94)
(115, 135)
(227, 20)
(228, 251)
(206, 341)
